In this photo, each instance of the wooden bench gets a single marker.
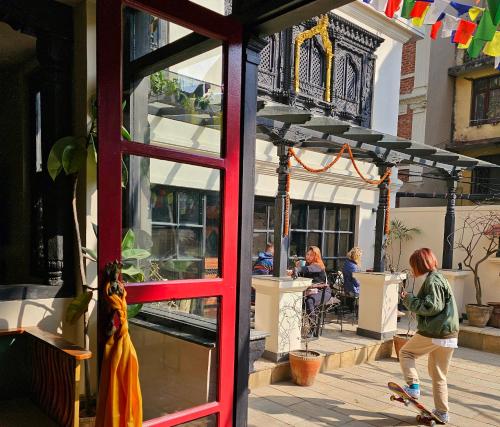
(43, 367)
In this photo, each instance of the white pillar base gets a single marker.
(378, 304)
(456, 278)
(278, 310)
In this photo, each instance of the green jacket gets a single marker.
(435, 307)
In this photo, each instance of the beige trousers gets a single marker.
(438, 364)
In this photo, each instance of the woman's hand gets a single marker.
(403, 294)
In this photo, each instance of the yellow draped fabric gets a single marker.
(120, 399)
(465, 46)
(492, 48)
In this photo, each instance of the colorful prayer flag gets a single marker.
(465, 46)
(435, 12)
(464, 31)
(392, 7)
(460, 8)
(475, 47)
(474, 12)
(494, 6)
(379, 5)
(497, 62)
(418, 22)
(486, 29)
(450, 23)
(407, 8)
(492, 48)
(435, 29)
(419, 9)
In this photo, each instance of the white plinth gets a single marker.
(456, 279)
(278, 310)
(378, 304)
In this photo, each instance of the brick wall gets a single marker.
(405, 122)
(408, 58)
(406, 85)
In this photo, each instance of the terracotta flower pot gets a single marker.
(305, 366)
(478, 315)
(495, 315)
(399, 341)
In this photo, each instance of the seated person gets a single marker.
(319, 291)
(264, 263)
(351, 265)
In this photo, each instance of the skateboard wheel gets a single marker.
(432, 423)
(393, 398)
(407, 402)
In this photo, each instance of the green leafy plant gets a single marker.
(398, 234)
(69, 155)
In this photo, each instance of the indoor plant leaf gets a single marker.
(54, 161)
(126, 134)
(133, 310)
(90, 252)
(135, 254)
(128, 241)
(78, 306)
(132, 272)
(74, 156)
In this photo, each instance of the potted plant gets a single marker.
(398, 233)
(69, 155)
(304, 363)
(478, 239)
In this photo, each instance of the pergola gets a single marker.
(288, 127)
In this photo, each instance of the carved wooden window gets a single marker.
(348, 79)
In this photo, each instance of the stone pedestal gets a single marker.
(378, 304)
(278, 310)
(456, 278)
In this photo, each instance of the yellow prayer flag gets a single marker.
(492, 48)
(418, 22)
(474, 12)
(466, 45)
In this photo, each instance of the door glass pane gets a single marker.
(298, 244)
(176, 344)
(299, 216)
(479, 111)
(270, 208)
(178, 103)
(171, 221)
(315, 218)
(494, 105)
(330, 219)
(210, 421)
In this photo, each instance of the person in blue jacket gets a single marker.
(264, 263)
(351, 265)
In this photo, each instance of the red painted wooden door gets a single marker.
(171, 192)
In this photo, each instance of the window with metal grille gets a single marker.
(328, 226)
(485, 101)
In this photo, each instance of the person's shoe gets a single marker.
(412, 390)
(444, 417)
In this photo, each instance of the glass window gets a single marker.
(486, 101)
(330, 227)
(177, 347)
(172, 104)
(172, 214)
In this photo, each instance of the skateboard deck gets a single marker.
(424, 415)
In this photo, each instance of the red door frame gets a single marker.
(111, 148)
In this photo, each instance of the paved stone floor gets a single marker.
(358, 396)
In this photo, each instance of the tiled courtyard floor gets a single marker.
(358, 396)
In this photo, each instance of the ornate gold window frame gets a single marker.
(322, 30)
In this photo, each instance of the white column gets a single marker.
(378, 304)
(456, 278)
(278, 310)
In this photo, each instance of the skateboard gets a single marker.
(425, 416)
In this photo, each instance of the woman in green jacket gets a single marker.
(437, 330)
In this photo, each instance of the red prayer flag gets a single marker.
(464, 31)
(392, 7)
(435, 29)
(419, 9)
